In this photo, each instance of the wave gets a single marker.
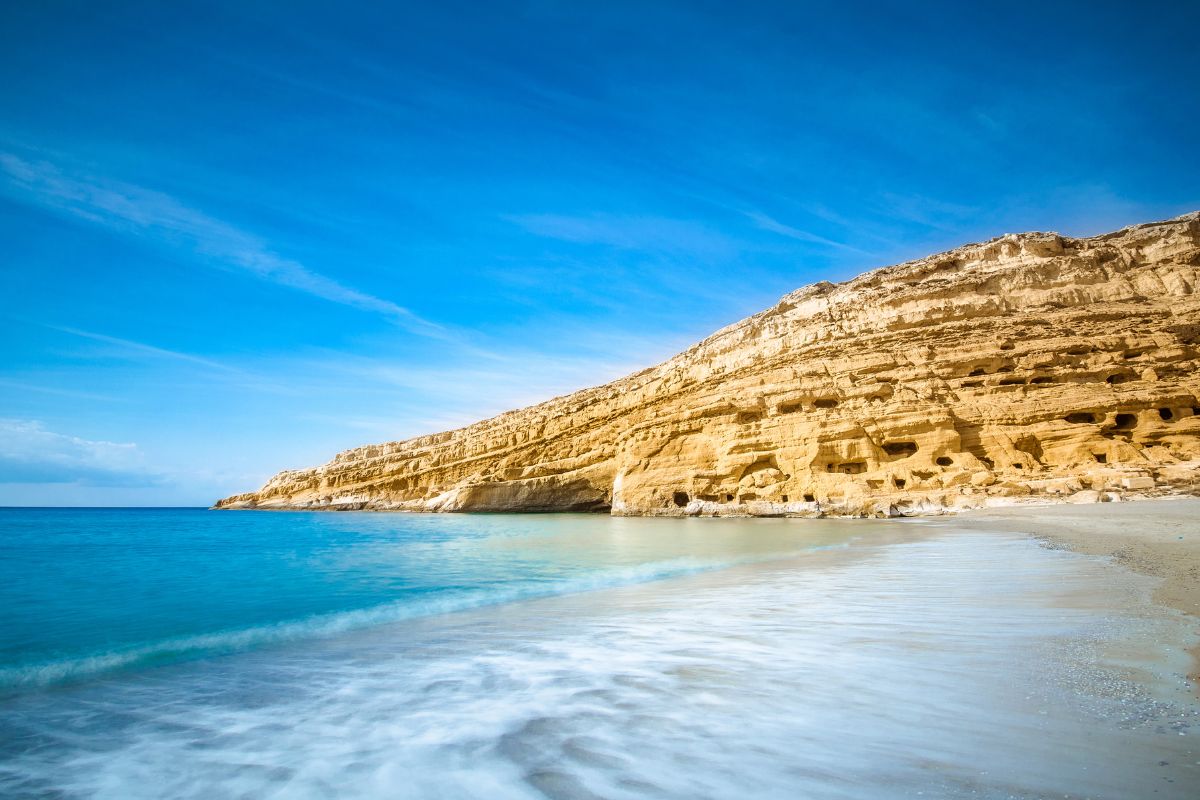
(165, 651)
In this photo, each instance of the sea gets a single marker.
(188, 653)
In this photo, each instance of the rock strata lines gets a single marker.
(1029, 366)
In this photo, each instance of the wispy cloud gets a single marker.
(143, 348)
(140, 211)
(392, 400)
(21, 386)
(931, 212)
(767, 223)
(650, 234)
(31, 454)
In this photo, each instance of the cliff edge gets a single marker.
(1030, 366)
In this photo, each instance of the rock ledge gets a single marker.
(1030, 368)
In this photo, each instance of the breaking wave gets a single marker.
(165, 651)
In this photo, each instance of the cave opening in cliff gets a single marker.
(809, 498)
(825, 402)
(900, 448)
(1167, 414)
(680, 499)
(1126, 421)
(1031, 446)
(944, 461)
(900, 483)
(1080, 418)
(1101, 458)
(1116, 378)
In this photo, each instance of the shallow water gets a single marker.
(87, 591)
(820, 660)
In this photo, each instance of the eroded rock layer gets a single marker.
(1029, 365)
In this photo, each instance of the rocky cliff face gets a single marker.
(1029, 365)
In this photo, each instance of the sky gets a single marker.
(241, 237)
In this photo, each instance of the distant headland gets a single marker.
(1030, 367)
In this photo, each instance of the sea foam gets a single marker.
(962, 665)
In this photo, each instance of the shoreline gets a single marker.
(888, 506)
(920, 657)
(1157, 537)
(1153, 535)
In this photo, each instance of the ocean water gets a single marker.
(188, 653)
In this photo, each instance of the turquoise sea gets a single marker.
(87, 591)
(193, 653)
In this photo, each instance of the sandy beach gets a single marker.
(1159, 538)
(581, 656)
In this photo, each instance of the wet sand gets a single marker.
(1159, 538)
(879, 660)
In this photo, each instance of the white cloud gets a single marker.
(766, 223)
(31, 454)
(141, 347)
(22, 386)
(136, 210)
(630, 232)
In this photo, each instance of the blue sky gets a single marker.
(242, 237)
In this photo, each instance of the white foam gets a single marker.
(326, 625)
(971, 665)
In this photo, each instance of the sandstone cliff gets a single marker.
(1029, 365)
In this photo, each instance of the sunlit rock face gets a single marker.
(1032, 365)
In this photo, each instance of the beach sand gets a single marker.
(938, 657)
(1159, 538)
